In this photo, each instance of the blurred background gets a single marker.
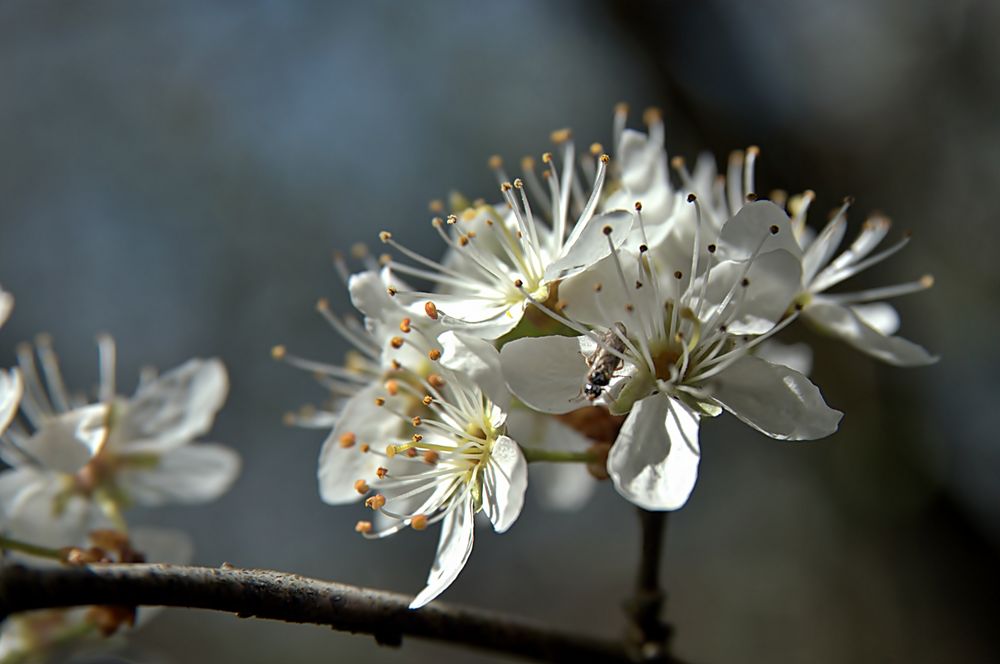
(178, 174)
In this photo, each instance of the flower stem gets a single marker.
(10, 544)
(532, 454)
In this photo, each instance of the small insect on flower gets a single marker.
(605, 361)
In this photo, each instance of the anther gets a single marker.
(322, 305)
(547, 158)
(436, 206)
(711, 248)
(605, 158)
(774, 229)
(392, 387)
(417, 438)
(598, 287)
(427, 400)
(391, 291)
(431, 457)
(385, 236)
(363, 527)
(506, 186)
(347, 439)
(691, 198)
(416, 421)
(643, 248)
(376, 502)
(431, 310)
(434, 354)
(362, 487)
(518, 183)
(381, 472)
(751, 197)
(396, 366)
(365, 447)
(278, 352)
(384, 259)
(596, 149)
(396, 342)
(607, 230)
(927, 280)
(404, 325)
(652, 115)
(435, 381)
(411, 452)
(518, 283)
(379, 401)
(638, 284)
(419, 522)
(629, 307)
(495, 161)
(638, 206)
(678, 275)
(561, 135)
(744, 282)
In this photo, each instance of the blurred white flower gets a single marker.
(76, 466)
(10, 381)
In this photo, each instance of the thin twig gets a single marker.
(280, 596)
(648, 635)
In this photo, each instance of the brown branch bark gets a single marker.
(649, 635)
(280, 596)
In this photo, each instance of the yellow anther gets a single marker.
(392, 387)
(278, 352)
(379, 401)
(431, 310)
(362, 487)
(419, 522)
(435, 381)
(404, 325)
(561, 135)
(431, 457)
(363, 527)
(396, 342)
(376, 502)
(434, 354)
(347, 439)
(385, 236)
(381, 472)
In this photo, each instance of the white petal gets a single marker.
(190, 474)
(589, 244)
(340, 467)
(505, 480)
(797, 356)
(370, 297)
(6, 304)
(67, 442)
(845, 324)
(476, 360)
(654, 461)
(10, 395)
(453, 552)
(558, 486)
(547, 373)
(176, 407)
(774, 279)
(879, 315)
(39, 514)
(751, 226)
(487, 315)
(775, 400)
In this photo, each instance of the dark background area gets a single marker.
(178, 174)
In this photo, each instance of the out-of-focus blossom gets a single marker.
(77, 465)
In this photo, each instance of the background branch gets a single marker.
(280, 596)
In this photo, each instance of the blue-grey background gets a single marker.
(179, 173)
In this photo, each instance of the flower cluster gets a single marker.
(597, 313)
(75, 467)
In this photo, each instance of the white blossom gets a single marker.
(684, 347)
(492, 246)
(76, 465)
(457, 460)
